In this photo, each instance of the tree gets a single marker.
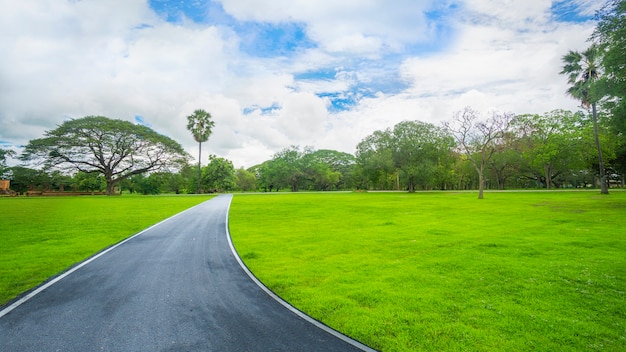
(418, 149)
(610, 35)
(507, 161)
(219, 175)
(116, 149)
(583, 71)
(151, 184)
(412, 149)
(246, 180)
(201, 126)
(478, 138)
(551, 143)
(4, 155)
(286, 168)
(91, 181)
(332, 169)
(26, 179)
(374, 161)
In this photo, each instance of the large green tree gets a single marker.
(375, 164)
(201, 126)
(414, 150)
(418, 150)
(246, 180)
(610, 34)
(583, 72)
(286, 169)
(550, 144)
(331, 169)
(116, 149)
(218, 175)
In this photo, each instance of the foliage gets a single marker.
(26, 179)
(329, 170)
(116, 149)
(147, 185)
(583, 72)
(440, 271)
(308, 169)
(90, 181)
(610, 34)
(478, 138)
(201, 126)
(375, 162)
(218, 175)
(415, 150)
(4, 155)
(246, 180)
(551, 144)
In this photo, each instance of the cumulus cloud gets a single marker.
(366, 65)
(343, 26)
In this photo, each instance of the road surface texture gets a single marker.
(176, 286)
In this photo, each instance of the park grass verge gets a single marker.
(41, 237)
(445, 271)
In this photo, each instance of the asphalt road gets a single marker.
(177, 286)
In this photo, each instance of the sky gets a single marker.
(281, 73)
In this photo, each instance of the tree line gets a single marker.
(473, 150)
(500, 151)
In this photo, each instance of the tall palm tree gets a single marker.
(200, 125)
(583, 71)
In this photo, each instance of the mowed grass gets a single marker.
(542, 271)
(40, 237)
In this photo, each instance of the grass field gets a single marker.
(40, 237)
(541, 271)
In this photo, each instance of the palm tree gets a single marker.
(200, 124)
(583, 71)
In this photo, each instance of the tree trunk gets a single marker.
(411, 185)
(603, 184)
(199, 159)
(110, 188)
(548, 171)
(108, 178)
(481, 181)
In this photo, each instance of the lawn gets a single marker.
(41, 237)
(439, 271)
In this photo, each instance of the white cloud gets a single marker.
(339, 26)
(65, 59)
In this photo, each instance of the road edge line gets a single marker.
(284, 303)
(65, 274)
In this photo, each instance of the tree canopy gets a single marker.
(610, 34)
(583, 75)
(478, 138)
(218, 175)
(415, 150)
(116, 149)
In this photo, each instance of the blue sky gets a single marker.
(283, 72)
(288, 39)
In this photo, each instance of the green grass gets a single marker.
(40, 237)
(436, 271)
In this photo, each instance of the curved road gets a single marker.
(176, 286)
